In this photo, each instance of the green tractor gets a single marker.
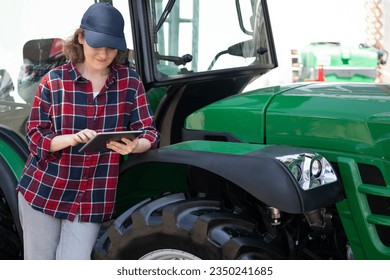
(298, 171)
(340, 63)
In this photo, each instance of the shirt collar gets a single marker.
(73, 72)
(76, 76)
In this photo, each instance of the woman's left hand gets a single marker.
(138, 145)
(125, 147)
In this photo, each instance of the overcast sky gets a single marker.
(294, 23)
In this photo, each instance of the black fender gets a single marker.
(259, 173)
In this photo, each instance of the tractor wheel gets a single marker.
(173, 227)
(10, 245)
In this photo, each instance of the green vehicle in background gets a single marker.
(298, 171)
(340, 63)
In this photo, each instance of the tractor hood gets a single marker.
(353, 117)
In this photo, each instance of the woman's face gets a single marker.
(97, 58)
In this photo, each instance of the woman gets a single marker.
(65, 195)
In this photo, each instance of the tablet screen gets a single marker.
(99, 141)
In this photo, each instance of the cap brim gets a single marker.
(101, 40)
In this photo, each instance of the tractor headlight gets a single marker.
(310, 170)
(316, 168)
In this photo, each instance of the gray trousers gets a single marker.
(48, 238)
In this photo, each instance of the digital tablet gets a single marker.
(99, 141)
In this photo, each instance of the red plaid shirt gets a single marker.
(66, 183)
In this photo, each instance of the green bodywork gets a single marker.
(347, 123)
(329, 117)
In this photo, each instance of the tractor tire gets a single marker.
(173, 227)
(11, 247)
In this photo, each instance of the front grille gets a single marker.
(371, 174)
(379, 205)
(384, 234)
(377, 194)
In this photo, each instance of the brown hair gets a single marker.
(74, 51)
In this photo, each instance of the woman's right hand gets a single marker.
(63, 141)
(82, 136)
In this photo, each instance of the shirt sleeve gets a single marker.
(142, 117)
(39, 127)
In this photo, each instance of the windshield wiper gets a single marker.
(164, 15)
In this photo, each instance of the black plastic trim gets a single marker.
(189, 134)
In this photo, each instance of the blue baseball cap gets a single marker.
(103, 27)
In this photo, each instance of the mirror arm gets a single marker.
(164, 15)
(239, 14)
